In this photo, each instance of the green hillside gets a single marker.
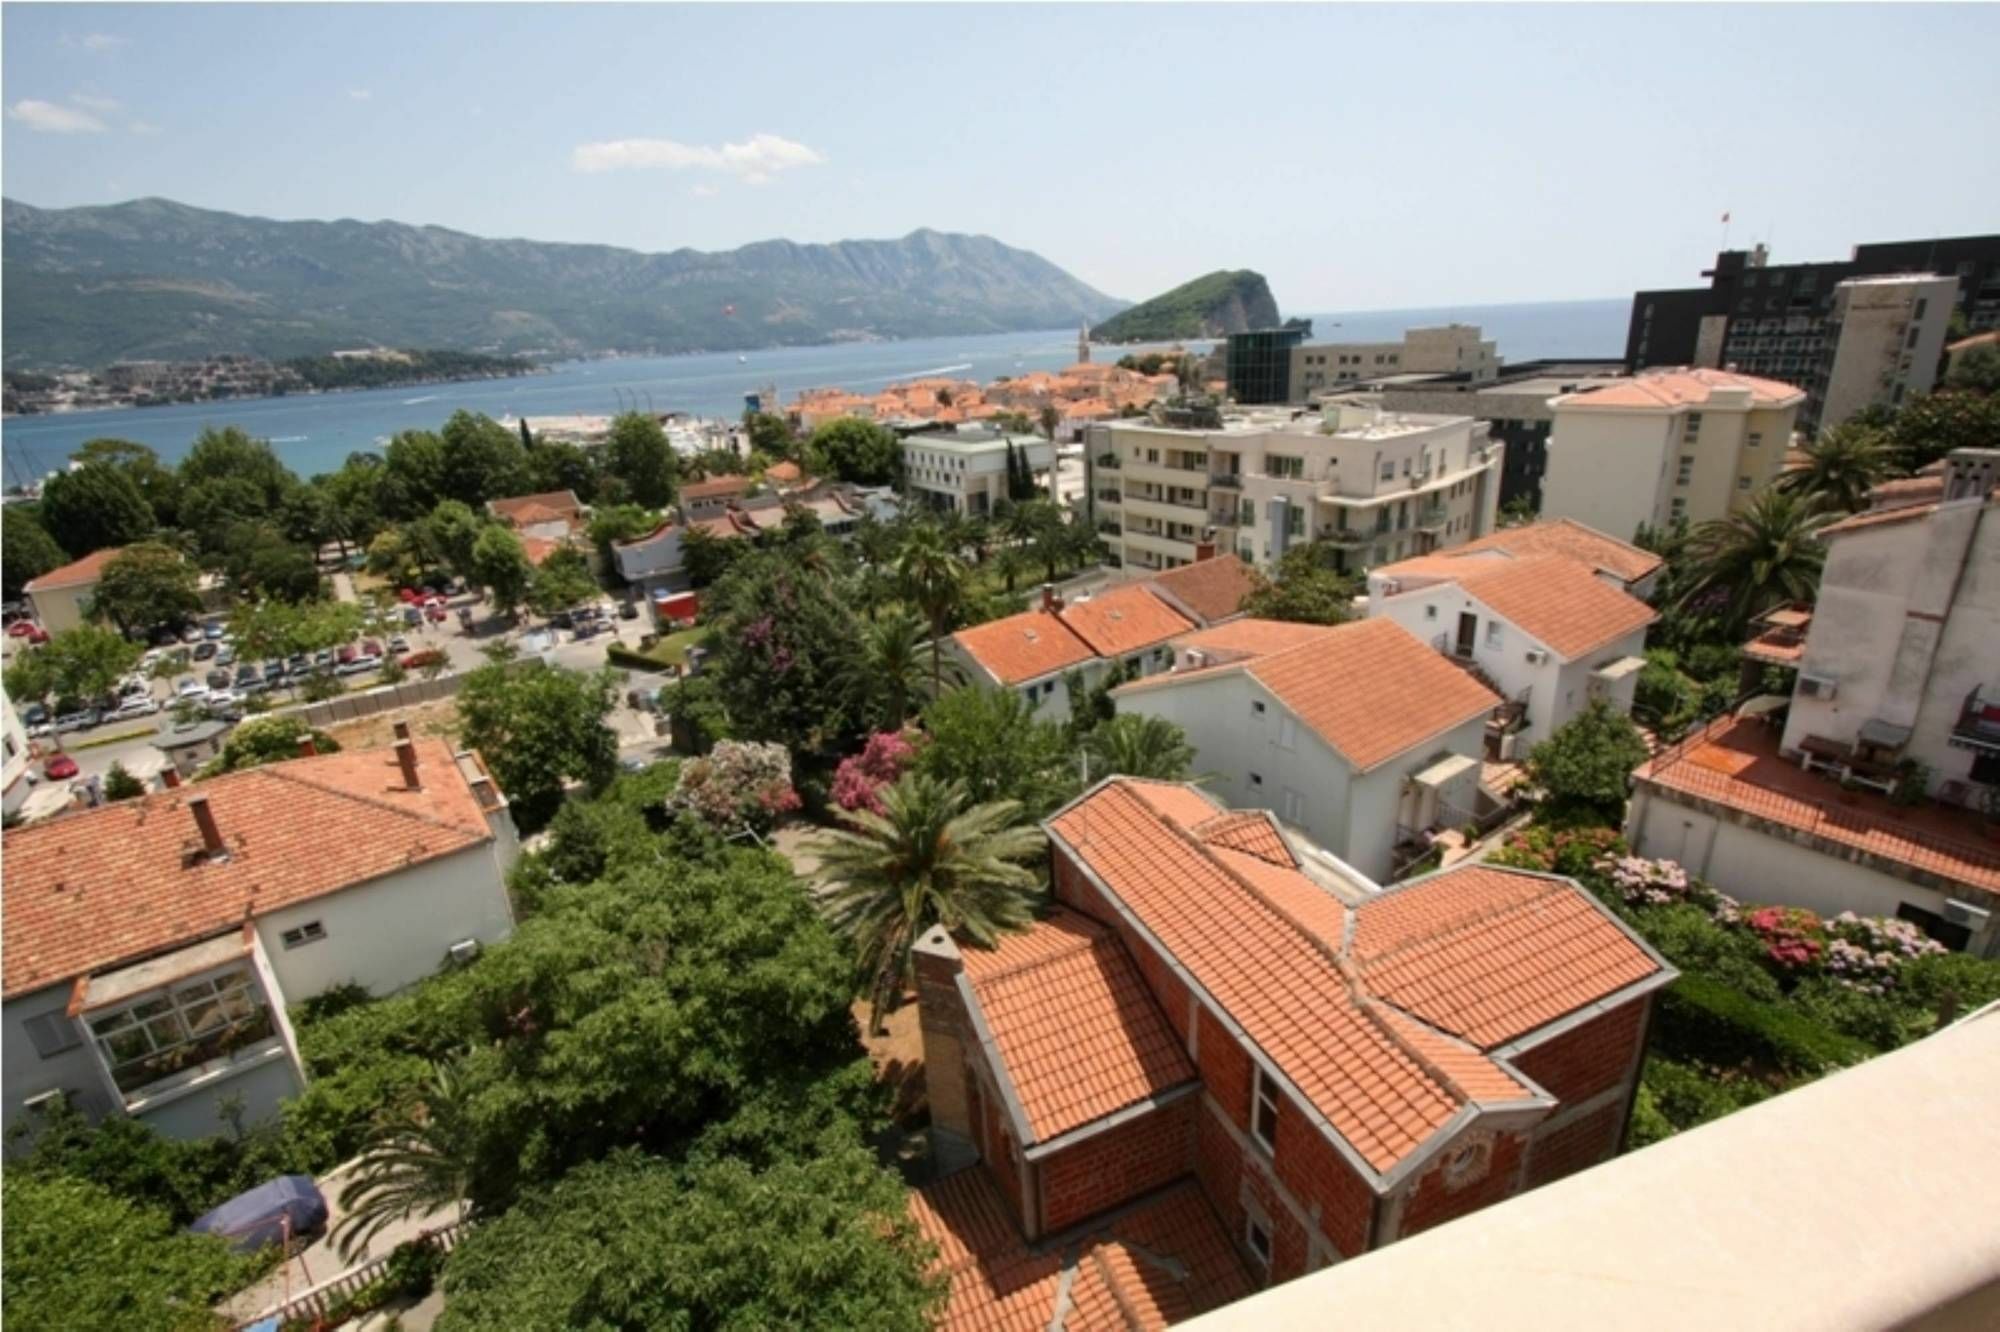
(1220, 303)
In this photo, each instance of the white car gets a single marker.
(135, 705)
(189, 687)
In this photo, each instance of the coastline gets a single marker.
(420, 382)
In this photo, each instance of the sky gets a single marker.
(1361, 157)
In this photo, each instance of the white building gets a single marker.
(154, 945)
(1546, 632)
(965, 470)
(1885, 338)
(1452, 349)
(1377, 485)
(1032, 653)
(1360, 734)
(1667, 444)
(19, 755)
(1898, 686)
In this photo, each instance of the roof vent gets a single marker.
(406, 756)
(212, 845)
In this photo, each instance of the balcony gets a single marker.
(1164, 511)
(1159, 545)
(1432, 518)
(1110, 497)
(1108, 461)
(1193, 478)
(1978, 725)
(1781, 636)
(1346, 538)
(157, 1028)
(1225, 480)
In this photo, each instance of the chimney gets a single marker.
(204, 817)
(1204, 550)
(172, 776)
(307, 749)
(1051, 600)
(402, 730)
(406, 755)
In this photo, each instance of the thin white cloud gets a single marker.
(144, 127)
(93, 103)
(754, 161)
(96, 41)
(704, 191)
(360, 94)
(51, 118)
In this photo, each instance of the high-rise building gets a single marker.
(1885, 340)
(1260, 364)
(1448, 349)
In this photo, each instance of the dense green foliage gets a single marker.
(634, 1242)
(93, 506)
(261, 740)
(1224, 301)
(1842, 466)
(989, 742)
(29, 551)
(637, 452)
(74, 667)
(1588, 761)
(145, 586)
(1306, 589)
(538, 728)
(1766, 555)
(851, 449)
(1137, 746)
(411, 366)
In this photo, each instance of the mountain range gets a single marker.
(154, 279)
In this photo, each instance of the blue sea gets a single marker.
(315, 432)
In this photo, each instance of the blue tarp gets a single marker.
(257, 1218)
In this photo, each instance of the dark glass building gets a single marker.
(1260, 365)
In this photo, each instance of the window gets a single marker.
(1923, 304)
(170, 1031)
(1430, 612)
(1295, 520)
(1743, 483)
(1264, 1111)
(1256, 781)
(1467, 1163)
(1389, 470)
(1493, 633)
(1257, 1235)
(1686, 473)
(1679, 508)
(52, 1033)
(1256, 707)
(1756, 438)
(1288, 733)
(1284, 467)
(1294, 806)
(310, 932)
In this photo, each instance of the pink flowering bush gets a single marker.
(1793, 938)
(740, 782)
(860, 778)
(1868, 953)
(1639, 882)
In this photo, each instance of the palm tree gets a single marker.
(934, 578)
(419, 1159)
(1847, 462)
(925, 860)
(895, 663)
(1764, 556)
(1139, 746)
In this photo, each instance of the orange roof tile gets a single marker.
(1252, 638)
(1491, 954)
(1684, 388)
(1907, 490)
(714, 487)
(1559, 602)
(114, 884)
(1254, 832)
(538, 549)
(1023, 647)
(1076, 1027)
(1212, 589)
(1896, 513)
(76, 573)
(1124, 619)
(1550, 536)
(551, 504)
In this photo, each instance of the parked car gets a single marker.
(412, 615)
(165, 638)
(399, 644)
(323, 660)
(77, 721)
(409, 596)
(22, 628)
(189, 687)
(226, 656)
(138, 705)
(435, 614)
(203, 651)
(247, 680)
(33, 715)
(627, 611)
(133, 684)
(218, 679)
(191, 634)
(585, 629)
(224, 705)
(213, 631)
(274, 672)
(60, 767)
(418, 660)
(297, 664)
(371, 647)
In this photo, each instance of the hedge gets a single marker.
(1710, 1022)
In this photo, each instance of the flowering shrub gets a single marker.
(1642, 882)
(1868, 953)
(1577, 852)
(1793, 938)
(739, 782)
(860, 777)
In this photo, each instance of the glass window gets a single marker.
(1264, 1112)
(1258, 1237)
(160, 1036)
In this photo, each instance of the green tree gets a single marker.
(1762, 556)
(453, 527)
(634, 1242)
(145, 586)
(158, 485)
(1306, 590)
(1976, 370)
(896, 666)
(770, 435)
(1930, 426)
(76, 666)
(1842, 466)
(1050, 417)
(706, 556)
(789, 665)
(413, 475)
(855, 450)
(78, 1255)
(500, 565)
(1138, 746)
(29, 551)
(420, 1159)
(483, 460)
(933, 578)
(555, 464)
(990, 742)
(94, 506)
(355, 492)
(231, 454)
(539, 727)
(637, 452)
(261, 740)
(619, 522)
(262, 563)
(215, 510)
(560, 581)
(1587, 764)
(929, 858)
(122, 785)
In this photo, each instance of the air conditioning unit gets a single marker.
(464, 951)
(1964, 913)
(1196, 659)
(1536, 656)
(1817, 686)
(43, 1102)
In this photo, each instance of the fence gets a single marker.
(318, 1302)
(372, 702)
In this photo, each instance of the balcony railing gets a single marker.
(1978, 723)
(1108, 461)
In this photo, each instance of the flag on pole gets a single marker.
(1725, 219)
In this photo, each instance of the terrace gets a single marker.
(1781, 636)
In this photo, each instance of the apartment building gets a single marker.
(1665, 445)
(1449, 349)
(19, 755)
(965, 470)
(1884, 342)
(1225, 1060)
(1897, 692)
(154, 945)
(1377, 485)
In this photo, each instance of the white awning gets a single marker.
(1619, 669)
(1444, 770)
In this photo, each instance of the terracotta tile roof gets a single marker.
(1683, 388)
(1095, 409)
(1372, 691)
(1489, 954)
(1075, 1026)
(714, 487)
(1166, 1260)
(1252, 638)
(1559, 602)
(77, 573)
(1023, 647)
(1899, 513)
(1552, 536)
(106, 886)
(1907, 490)
(1253, 832)
(1124, 619)
(1211, 589)
(538, 549)
(1379, 1015)
(544, 506)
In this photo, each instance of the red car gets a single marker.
(59, 768)
(435, 614)
(410, 596)
(29, 630)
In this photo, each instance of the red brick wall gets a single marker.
(1118, 1165)
(1433, 1203)
(1577, 1145)
(1316, 1173)
(1225, 1069)
(1589, 1059)
(993, 1139)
